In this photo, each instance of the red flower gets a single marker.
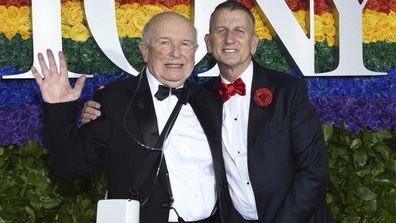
(292, 4)
(392, 5)
(321, 7)
(262, 97)
(248, 3)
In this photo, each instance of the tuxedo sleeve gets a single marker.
(308, 188)
(74, 151)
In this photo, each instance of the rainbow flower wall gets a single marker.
(353, 104)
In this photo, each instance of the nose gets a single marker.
(175, 51)
(229, 37)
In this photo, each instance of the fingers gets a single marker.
(84, 120)
(51, 61)
(80, 83)
(91, 113)
(43, 65)
(93, 104)
(63, 64)
(37, 76)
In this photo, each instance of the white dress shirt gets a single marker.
(188, 159)
(234, 133)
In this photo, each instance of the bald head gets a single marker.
(168, 47)
(165, 18)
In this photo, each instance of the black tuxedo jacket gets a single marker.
(287, 160)
(75, 151)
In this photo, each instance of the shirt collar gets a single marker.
(246, 76)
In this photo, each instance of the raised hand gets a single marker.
(54, 85)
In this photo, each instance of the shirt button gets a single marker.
(235, 119)
(247, 183)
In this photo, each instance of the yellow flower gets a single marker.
(330, 41)
(64, 15)
(9, 30)
(23, 28)
(25, 34)
(121, 30)
(72, 4)
(139, 20)
(182, 9)
(65, 31)
(330, 30)
(366, 39)
(3, 11)
(381, 35)
(10, 34)
(75, 16)
(151, 10)
(392, 36)
(13, 13)
(328, 19)
(2, 23)
(264, 33)
(392, 18)
(79, 32)
(299, 15)
(121, 16)
(25, 11)
(320, 37)
(131, 31)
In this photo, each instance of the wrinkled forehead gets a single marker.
(229, 17)
(174, 28)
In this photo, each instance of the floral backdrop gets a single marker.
(353, 102)
(362, 110)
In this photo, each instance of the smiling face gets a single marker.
(169, 48)
(231, 41)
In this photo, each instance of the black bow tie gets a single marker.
(180, 93)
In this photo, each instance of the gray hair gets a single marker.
(233, 6)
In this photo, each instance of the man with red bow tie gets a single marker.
(273, 147)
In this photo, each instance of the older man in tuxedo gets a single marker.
(273, 147)
(186, 178)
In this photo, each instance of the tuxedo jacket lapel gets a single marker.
(142, 111)
(257, 114)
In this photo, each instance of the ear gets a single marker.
(255, 42)
(208, 44)
(144, 50)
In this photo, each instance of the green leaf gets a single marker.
(371, 205)
(383, 149)
(50, 203)
(365, 194)
(356, 143)
(360, 158)
(327, 131)
(1, 151)
(384, 134)
(30, 212)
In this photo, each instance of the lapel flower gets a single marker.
(263, 97)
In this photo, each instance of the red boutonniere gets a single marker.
(263, 97)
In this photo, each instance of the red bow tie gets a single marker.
(228, 90)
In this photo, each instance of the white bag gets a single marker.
(118, 211)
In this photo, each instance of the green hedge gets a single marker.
(362, 188)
